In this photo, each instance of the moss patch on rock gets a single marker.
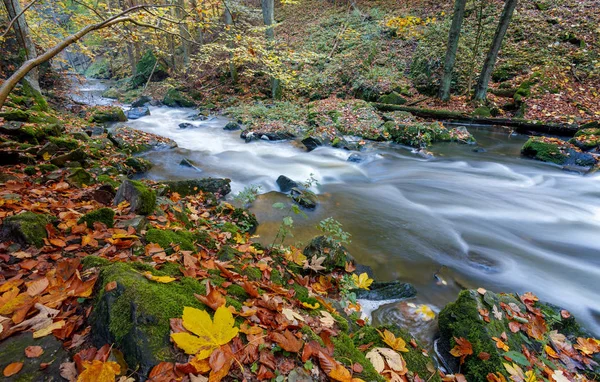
(27, 227)
(109, 114)
(425, 134)
(167, 238)
(103, 215)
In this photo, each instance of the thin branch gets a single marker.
(17, 17)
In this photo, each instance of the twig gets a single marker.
(150, 76)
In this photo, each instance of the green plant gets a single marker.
(333, 230)
(248, 195)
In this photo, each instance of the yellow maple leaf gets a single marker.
(209, 334)
(46, 156)
(390, 339)
(98, 371)
(363, 281)
(159, 279)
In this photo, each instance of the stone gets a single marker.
(336, 255)
(11, 157)
(80, 136)
(142, 101)
(381, 291)
(174, 98)
(147, 66)
(187, 163)
(355, 158)
(286, 184)
(142, 199)
(77, 155)
(138, 165)
(103, 215)
(26, 228)
(198, 117)
(556, 151)
(482, 111)
(392, 98)
(587, 139)
(111, 114)
(232, 126)
(305, 198)
(186, 125)
(97, 131)
(193, 186)
(15, 115)
(103, 194)
(134, 141)
(138, 112)
(312, 143)
(138, 223)
(79, 177)
(13, 350)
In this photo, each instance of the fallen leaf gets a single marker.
(48, 329)
(292, 315)
(287, 341)
(98, 371)
(33, 351)
(37, 286)
(363, 281)
(462, 349)
(396, 343)
(159, 279)
(12, 368)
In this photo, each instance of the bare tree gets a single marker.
(268, 11)
(453, 37)
(490, 61)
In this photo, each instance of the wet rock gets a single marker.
(424, 134)
(11, 157)
(479, 150)
(134, 141)
(138, 112)
(305, 198)
(312, 143)
(142, 101)
(587, 139)
(462, 318)
(264, 138)
(26, 228)
(186, 125)
(335, 254)
(13, 350)
(80, 136)
(187, 163)
(111, 114)
(142, 200)
(79, 177)
(135, 315)
(174, 98)
(96, 131)
(393, 290)
(249, 136)
(299, 375)
(103, 194)
(77, 155)
(556, 151)
(198, 117)
(286, 184)
(232, 126)
(193, 186)
(138, 223)
(355, 158)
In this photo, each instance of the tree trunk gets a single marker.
(490, 61)
(232, 68)
(268, 11)
(182, 31)
(453, 37)
(13, 8)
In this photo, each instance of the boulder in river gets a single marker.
(312, 143)
(186, 125)
(556, 151)
(392, 290)
(355, 158)
(26, 228)
(335, 254)
(142, 101)
(187, 163)
(193, 186)
(232, 126)
(305, 198)
(142, 199)
(513, 328)
(175, 98)
(587, 139)
(286, 184)
(136, 141)
(138, 112)
(110, 114)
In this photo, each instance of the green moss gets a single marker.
(147, 197)
(302, 294)
(111, 114)
(253, 273)
(348, 353)
(30, 170)
(15, 115)
(138, 164)
(65, 143)
(416, 362)
(174, 98)
(424, 134)
(28, 226)
(236, 291)
(482, 111)
(102, 215)
(226, 253)
(587, 139)
(45, 168)
(392, 98)
(147, 66)
(537, 148)
(99, 69)
(165, 238)
(94, 262)
(245, 219)
(105, 179)
(276, 277)
(40, 101)
(80, 177)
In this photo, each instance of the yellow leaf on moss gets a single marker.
(159, 279)
(209, 334)
(98, 371)
(363, 281)
(390, 339)
(316, 305)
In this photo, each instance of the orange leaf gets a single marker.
(213, 297)
(462, 349)
(12, 368)
(58, 243)
(287, 341)
(98, 371)
(33, 351)
(36, 287)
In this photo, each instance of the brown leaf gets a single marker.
(37, 286)
(483, 356)
(462, 349)
(33, 351)
(287, 341)
(213, 297)
(110, 286)
(68, 371)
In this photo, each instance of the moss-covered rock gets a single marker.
(134, 141)
(425, 134)
(551, 150)
(142, 199)
(587, 139)
(135, 315)
(64, 142)
(110, 114)
(112, 93)
(245, 219)
(79, 177)
(335, 254)
(194, 186)
(103, 215)
(147, 66)
(166, 238)
(392, 98)
(77, 155)
(175, 98)
(139, 165)
(15, 115)
(463, 319)
(26, 228)
(482, 111)
(99, 69)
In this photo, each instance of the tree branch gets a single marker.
(17, 17)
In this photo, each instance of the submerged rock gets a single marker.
(138, 112)
(312, 143)
(305, 198)
(186, 125)
(187, 163)
(26, 228)
(142, 101)
(232, 126)
(286, 184)
(393, 290)
(193, 186)
(355, 158)
(142, 200)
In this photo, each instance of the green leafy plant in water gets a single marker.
(248, 195)
(333, 230)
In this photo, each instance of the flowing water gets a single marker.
(489, 219)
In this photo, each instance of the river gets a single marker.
(487, 219)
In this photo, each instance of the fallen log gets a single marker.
(520, 125)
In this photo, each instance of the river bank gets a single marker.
(295, 307)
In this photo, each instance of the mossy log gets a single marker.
(520, 125)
